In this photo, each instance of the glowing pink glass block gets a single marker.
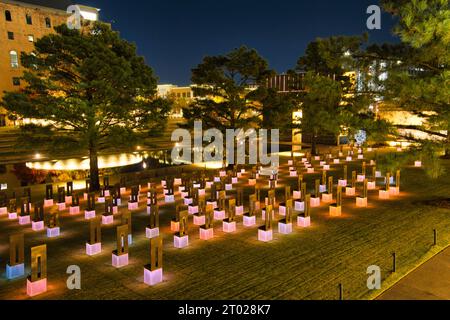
(37, 287)
(242, 171)
(107, 193)
(293, 173)
(151, 233)
(24, 220)
(196, 185)
(322, 188)
(239, 210)
(317, 158)
(234, 180)
(61, 206)
(336, 161)
(310, 170)
(251, 182)
(12, 215)
(208, 184)
(265, 236)
(394, 191)
(348, 159)
(123, 190)
(229, 227)
(37, 226)
(360, 157)
(297, 195)
(188, 201)
(3, 211)
(199, 220)
(68, 199)
(360, 178)
(228, 187)
(383, 195)
(53, 232)
(85, 196)
(152, 278)
(107, 220)
(342, 183)
(327, 198)
(133, 206)
(163, 183)
(119, 261)
(326, 167)
(371, 185)
(115, 210)
(377, 174)
(206, 234)
(299, 206)
(169, 199)
(361, 202)
(219, 215)
(216, 179)
(180, 242)
(335, 211)
(284, 228)
(315, 202)
(223, 174)
(101, 199)
(177, 181)
(89, 215)
(350, 191)
(74, 210)
(48, 203)
(249, 221)
(304, 222)
(290, 163)
(304, 160)
(418, 164)
(193, 209)
(322, 163)
(94, 249)
(174, 226)
(201, 192)
(282, 210)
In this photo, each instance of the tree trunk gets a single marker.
(447, 147)
(93, 169)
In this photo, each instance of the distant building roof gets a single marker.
(55, 4)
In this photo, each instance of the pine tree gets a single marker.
(91, 92)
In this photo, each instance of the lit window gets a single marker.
(29, 19)
(8, 15)
(30, 38)
(10, 35)
(16, 81)
(14, 59)
(48, 23)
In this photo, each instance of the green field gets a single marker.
(308, 264)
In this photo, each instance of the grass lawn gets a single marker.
(308, 264)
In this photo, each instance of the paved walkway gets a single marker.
(431, 281)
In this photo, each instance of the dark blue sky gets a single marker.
(175, 35)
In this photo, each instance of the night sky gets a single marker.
(175, 35)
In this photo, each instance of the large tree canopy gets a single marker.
(419, 75)
(229, 89)
(334, 100)
(91, 92)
